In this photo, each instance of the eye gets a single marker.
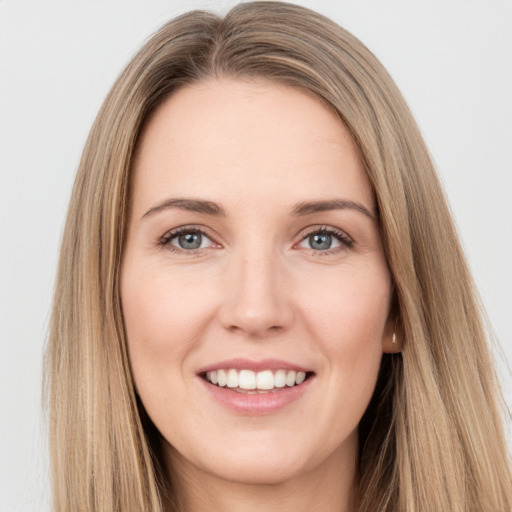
(189, 241)
(186, 239)
(321, 241)
(327, 240)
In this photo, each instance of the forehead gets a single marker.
(255, 140)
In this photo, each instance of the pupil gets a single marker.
(320, 241)
(190, 241)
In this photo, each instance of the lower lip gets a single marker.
(256, 403)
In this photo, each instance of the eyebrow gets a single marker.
(300, 209)
(191, 205)
(310, 207)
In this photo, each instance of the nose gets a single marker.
(257, 301)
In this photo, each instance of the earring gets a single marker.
(393, 339)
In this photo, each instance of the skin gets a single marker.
(256, 289)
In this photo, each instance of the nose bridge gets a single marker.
(256, 298)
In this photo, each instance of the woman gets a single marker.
(255, 304)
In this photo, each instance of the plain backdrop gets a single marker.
(452, 60)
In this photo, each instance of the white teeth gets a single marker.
(232, 381)
(290, 378)
(248, 380)
(280, 379)
(222, 378)
(265, 380)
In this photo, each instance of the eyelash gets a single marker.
(345, 241)
(165, 241)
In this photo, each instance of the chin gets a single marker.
(257, 471)
(265, 462)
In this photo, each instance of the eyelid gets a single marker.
(164, 241)
(345, 240)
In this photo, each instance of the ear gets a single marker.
(392, 341)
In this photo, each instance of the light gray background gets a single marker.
(451, 58)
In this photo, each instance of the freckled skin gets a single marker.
(256, 288)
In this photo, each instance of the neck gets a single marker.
(328, 487)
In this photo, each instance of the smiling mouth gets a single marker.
(250, 382)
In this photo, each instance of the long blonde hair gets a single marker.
(432, 438)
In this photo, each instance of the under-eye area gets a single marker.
(249, 381)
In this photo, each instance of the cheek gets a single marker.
(348, 318)
(350, 308)
(163, 317)
(160, 309)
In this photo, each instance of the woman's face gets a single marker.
(254, 285)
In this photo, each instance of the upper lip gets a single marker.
(254, 365)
